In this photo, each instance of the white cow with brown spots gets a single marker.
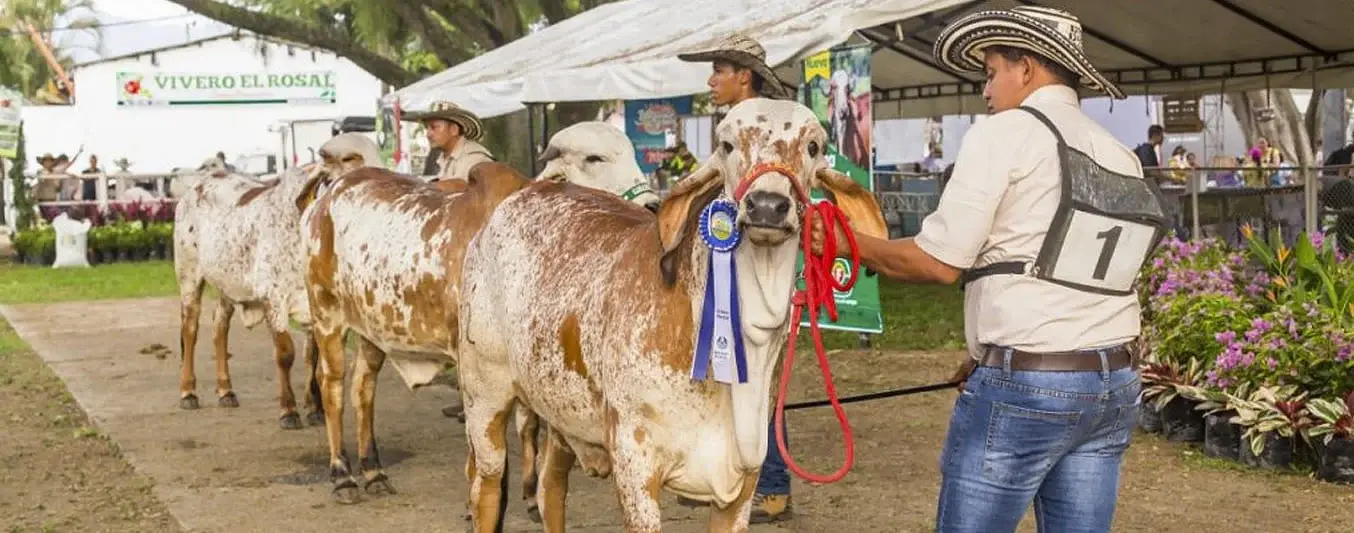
(585, 310)
(384, 261)
(243, 238)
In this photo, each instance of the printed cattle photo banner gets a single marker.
(837, 88)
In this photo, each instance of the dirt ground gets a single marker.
(232, 470)
(57, 471)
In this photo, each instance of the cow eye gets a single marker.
(728, 148)
(813, 148)
(594, 159)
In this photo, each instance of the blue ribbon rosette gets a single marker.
(719, 343)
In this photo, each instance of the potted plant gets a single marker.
(1176, 393)
(1222, 437)
(23, 246)
(45, 245)
(1273, 415)
(1333, 437)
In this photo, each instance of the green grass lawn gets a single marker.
(916, 317)
(33, 284)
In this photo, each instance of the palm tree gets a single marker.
(64, 25)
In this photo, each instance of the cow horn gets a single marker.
(551, 152)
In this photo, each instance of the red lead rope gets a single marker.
(819, 284)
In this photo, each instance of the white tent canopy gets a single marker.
(627, 50)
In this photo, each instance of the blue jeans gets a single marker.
(1054, 438)
(774, 479)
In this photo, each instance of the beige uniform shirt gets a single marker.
(997, 206)
(457, 163)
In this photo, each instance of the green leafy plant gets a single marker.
(1165, 381)
(1278, 410)
(1333, 418)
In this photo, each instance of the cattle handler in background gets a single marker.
(740, 74)
(455, 133)
(1050, 396)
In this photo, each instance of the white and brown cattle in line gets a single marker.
(243, 237)
(584, 309)
(384, 261)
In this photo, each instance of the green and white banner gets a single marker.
(837, 89)
(230, 88)
(11, 107)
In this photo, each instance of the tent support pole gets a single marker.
(531, 140)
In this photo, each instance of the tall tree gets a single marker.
(64, 25)
(403, 41)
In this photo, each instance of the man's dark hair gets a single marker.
(1155, 130)
(1061, 74)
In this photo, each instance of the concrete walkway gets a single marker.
(234, 470)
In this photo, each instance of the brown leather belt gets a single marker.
(1080, 361)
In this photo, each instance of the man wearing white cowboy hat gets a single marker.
(456, 131)
(741, 73)
(1046, 220)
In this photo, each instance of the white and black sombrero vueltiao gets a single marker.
(1052, 33)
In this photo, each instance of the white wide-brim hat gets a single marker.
(1052, 33)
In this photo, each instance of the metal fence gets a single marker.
(1202, 202)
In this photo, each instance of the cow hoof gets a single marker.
(457, 411)
(290, 421)
(188, 402)
(229, 400)
(379, 486)
(345, 492)
(315, 418)
(534, 513)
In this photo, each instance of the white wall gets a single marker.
(157, 139)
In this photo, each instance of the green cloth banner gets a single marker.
(11, 113)
(837, 89)
(233, 88)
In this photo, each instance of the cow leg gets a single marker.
(330, 343)
(528, 429)
(638, 479)
(486, 429)
(559, 460)
(734, 518)
(284, 353)
(190, 307)
(225, 394)
(368, 366)
(314, 402)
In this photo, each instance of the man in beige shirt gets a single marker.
(1047, 220)
(456, 131)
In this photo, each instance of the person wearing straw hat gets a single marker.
(456, 131)
(1046, 220)
(740, 73)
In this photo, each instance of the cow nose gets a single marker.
(766, 208)
(652, 206)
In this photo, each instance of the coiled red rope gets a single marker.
(817, 294)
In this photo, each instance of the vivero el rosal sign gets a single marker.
(169, 88)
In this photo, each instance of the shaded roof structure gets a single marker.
(627, 50)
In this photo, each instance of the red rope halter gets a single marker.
(819, 284)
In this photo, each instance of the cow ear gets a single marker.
(318, 176)
(856, 202)
(679, 211)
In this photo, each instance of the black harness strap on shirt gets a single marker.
(1005, 267)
